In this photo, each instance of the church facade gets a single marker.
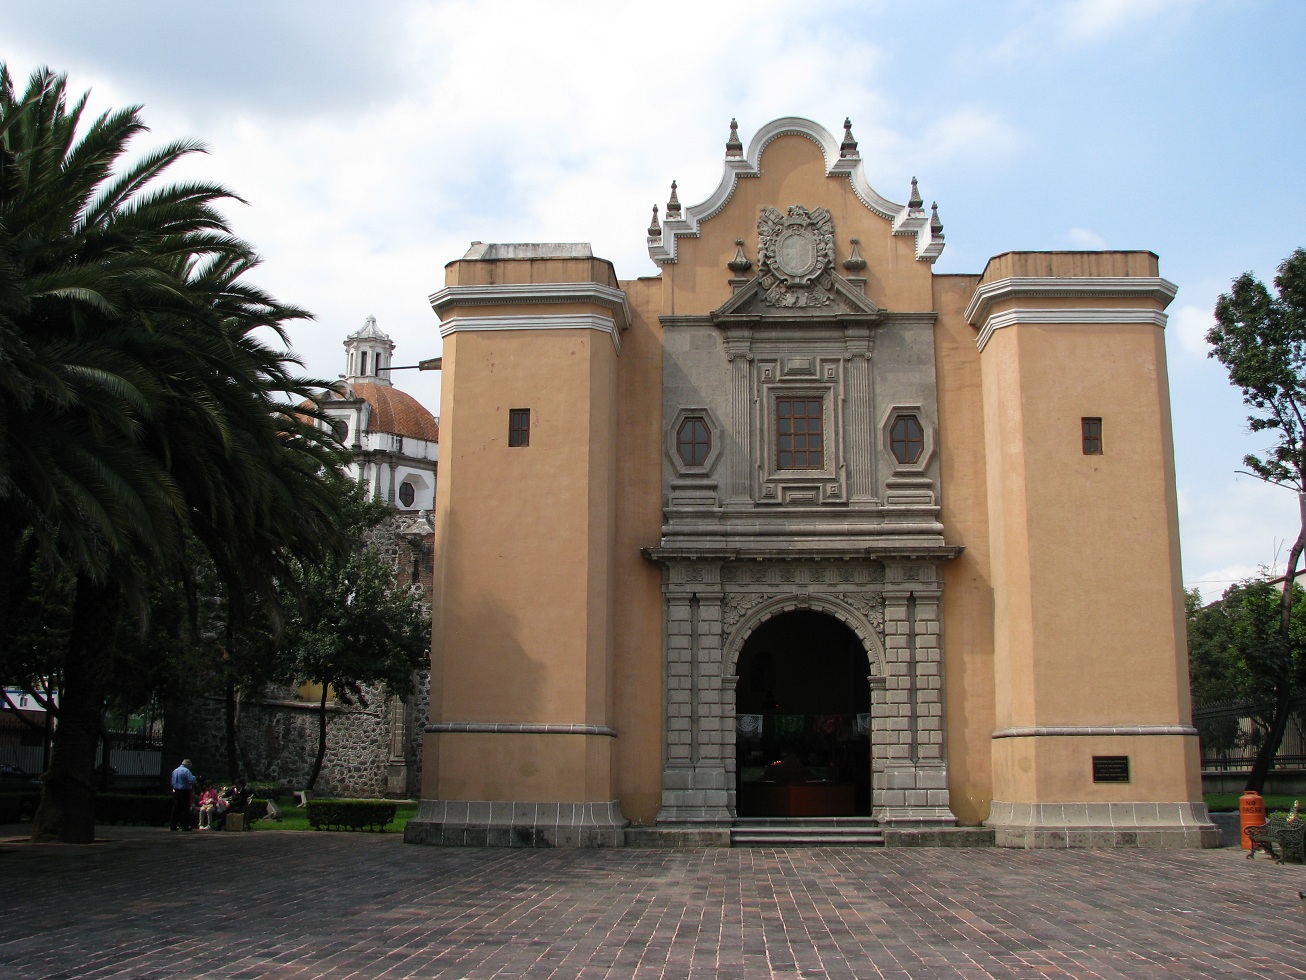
(799, 528)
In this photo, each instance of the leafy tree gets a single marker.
(1234, 650)
(138, 409)
(1261, 341)
(355, 625)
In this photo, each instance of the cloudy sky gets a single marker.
(373, 142)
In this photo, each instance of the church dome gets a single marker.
(396, 412)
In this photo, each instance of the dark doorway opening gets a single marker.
(802, 744)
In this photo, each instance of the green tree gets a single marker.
(1261, 340)
(138, 408)
(355, 625)
(1234, 650)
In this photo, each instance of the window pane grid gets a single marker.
(906, 439)
(799, 437)
(693, 441)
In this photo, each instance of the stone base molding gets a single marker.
(1103, 825)
(483, 823)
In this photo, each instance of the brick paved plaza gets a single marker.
(276, 904)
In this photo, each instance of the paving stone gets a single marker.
(275, 904)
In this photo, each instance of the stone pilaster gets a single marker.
(909, 772)
(698, 775)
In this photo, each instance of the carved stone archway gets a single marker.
(713, 606)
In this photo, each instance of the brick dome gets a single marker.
(396, 412)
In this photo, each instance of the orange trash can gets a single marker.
(1251, 813)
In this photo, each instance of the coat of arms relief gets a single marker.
(796, 256)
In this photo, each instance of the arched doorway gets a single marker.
(802, 744)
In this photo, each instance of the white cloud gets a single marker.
(1093, 20)
(1190, 324)
(1231, 528)
(1085, 238)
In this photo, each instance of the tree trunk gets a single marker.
(67, 809)
(233, 763)
(321, 739)
(1283, 689)
(1273, 739)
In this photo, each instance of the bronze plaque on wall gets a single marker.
(1110, 768)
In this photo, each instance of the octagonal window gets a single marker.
(906, 439)
(407, 494)
(693, 441)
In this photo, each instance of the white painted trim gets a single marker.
(1024, 287)
(662, 250)
(563, 321)
(531, 292)
(1089, 315)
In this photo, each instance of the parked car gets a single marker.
(15, 777)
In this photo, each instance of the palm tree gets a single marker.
(137, 406)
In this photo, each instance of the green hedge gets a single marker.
(350, 814)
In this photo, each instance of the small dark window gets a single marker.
(693, 441)
(1092, 431)
(519, 427)
(906, 439)
(799, 444)
(407, 494)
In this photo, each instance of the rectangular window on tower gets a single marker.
(1092, 435)
(519, 427)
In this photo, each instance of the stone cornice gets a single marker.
(1087, 316)
(892, 553)
(561, 321)
(662, 249)
(511, 294)
(1092, 731)
(515, 728)
(1077, 287)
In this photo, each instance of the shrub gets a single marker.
(266, 790)
(350, 814)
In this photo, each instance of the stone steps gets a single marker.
(807, 832)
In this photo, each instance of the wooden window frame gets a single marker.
(911, 444)
(699, 449)
(519, 428)
(1090, 431)
(801, 444)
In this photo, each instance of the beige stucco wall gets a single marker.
(1087, 610)
(637, 647)
(967, 583)
(505, 649)
(793, 172)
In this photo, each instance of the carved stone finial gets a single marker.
(673, 205)
(739, 264)
(854, 262)
(915, 202)
(734, 148)
(654, 229)
(848, 148)
(936, 226)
